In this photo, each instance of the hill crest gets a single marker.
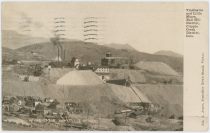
(120, 46)
(168, 53)
(13, 40)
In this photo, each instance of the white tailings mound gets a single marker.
(156, 67)
(83, 77)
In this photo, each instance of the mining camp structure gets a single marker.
(115, 62)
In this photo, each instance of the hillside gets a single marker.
(11, 54)
(103, 97)
(145, 76)
(120, 46)
(12, 39)
(8, 54)
(94, 53)
(168, 53)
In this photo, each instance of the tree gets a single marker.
(38, 70)
(53, 104)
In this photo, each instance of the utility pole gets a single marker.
(98, 120)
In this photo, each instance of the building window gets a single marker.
(112, 61)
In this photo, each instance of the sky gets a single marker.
(148, 27)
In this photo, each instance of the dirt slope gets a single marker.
(136, 76)
(168, 96)
(128, 94)
(143, 76)
(125, 94)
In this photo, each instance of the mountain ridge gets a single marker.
(13, 40)
(120, 46)
(84, 51)
(168, 53)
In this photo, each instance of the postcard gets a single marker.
(104, 66)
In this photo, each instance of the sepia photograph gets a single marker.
(88, 66)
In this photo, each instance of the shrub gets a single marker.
(38, 70)
(172, 117)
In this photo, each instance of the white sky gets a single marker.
(148, 27)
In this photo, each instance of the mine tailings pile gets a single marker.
(165, 87)
(85, 87)
(153, 82)
(83, 77)
(156, 67)
(168, 96)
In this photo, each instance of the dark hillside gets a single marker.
(93, 52)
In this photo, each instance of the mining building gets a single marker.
(114, 62)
